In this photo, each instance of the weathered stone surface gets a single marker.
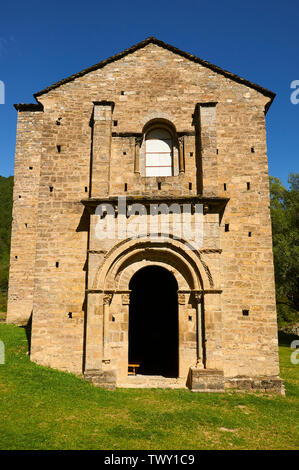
(262, 384)
(103, 379)
(206, 380)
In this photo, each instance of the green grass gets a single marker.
(41, 408)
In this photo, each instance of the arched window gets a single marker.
(158, 153)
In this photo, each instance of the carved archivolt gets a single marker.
(206, 268)
(124, 259)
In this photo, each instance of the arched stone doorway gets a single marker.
(109, 299)
(153, 321)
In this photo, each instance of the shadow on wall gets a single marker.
(28, 332)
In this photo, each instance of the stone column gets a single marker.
(101, 148)
(181, 155)
(213, 330)
(106, 308)
(94, 332)
(138, 142)
(208, 140)
(199, 361)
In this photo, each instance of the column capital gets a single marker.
(125, 299)
(181, 298)
(107, 299)
(104, 103)
(198, 297)
(207, 104)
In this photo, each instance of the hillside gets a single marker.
(6, 188)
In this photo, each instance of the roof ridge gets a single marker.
(154, 40)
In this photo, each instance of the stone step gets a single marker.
(151, 381)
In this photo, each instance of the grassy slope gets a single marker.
(41, 408)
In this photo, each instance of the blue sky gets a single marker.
(43, 42)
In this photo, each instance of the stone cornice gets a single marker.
(180, 291)
(140, 134)
(104, 103)
(211, 204)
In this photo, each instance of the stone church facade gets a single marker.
(150, 127)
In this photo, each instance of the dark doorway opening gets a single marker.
(153, 322)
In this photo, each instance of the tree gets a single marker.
(6, 187)
(285, 229)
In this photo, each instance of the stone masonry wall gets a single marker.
(155, 83)
(24, 225)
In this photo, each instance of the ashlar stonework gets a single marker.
(202, 317)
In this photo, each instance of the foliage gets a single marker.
(285, 229)
(6, 188)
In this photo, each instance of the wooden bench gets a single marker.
(132, 368)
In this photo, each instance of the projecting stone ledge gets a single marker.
(265, 384)
(211, 380)
(206, 380)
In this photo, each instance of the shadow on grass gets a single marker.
(285, 339)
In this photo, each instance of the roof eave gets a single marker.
(29, 107)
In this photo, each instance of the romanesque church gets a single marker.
(150, 134)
